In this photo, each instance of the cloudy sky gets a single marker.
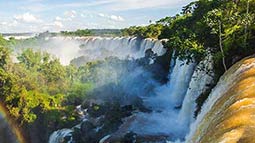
(56, 15)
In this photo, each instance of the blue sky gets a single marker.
(56, 15)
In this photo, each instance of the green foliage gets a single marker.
(79, 32)
(32, 59)
(39, 87)
(151, 31)
(3, 42)
(78, 93)
(226, 28)
(196, 29)
(4, 56)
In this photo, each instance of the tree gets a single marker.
(3, 42)
(247, 22)
(214, 20)
(32, 59)
(4, 56)
(79, 32)
(78, 93)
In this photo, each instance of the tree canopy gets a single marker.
(225, 27)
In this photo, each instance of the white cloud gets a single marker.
(117, 18)
(13, 23)
(9, 24)
(82, 15)
(68, 16)
(58, 24)
(39, 15)
(143, 4)
(122, 5)
(55, 24)
(58, 18)
(112, 17)
(71, 14)
(3, 23)
(27, 17)
(87, 14)
(101, 14)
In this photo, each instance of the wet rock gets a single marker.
(130, 137)
(86, 126)
(105, 139)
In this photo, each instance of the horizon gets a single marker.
(36, 16)
(23, 33)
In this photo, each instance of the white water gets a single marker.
(64, 50)
(59, 136)
(121, 46)
(171, 95)
(175, 103)
(222, 86)
(20, 36)
(172, 104)
(127, 78)
(94, 48)
(164, 118)
(98, 48)
(202, 77)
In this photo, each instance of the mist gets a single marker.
(124, 74)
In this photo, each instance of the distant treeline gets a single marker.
(92, 32)
(79, 32)
(16, 34)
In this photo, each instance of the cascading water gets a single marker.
(98, 48)
(95, 48)
(120, 46)
(173, 93)
(132, 74)
(61, 136)
(175, 103)
(229, 110)
(228, 114)
(172, 104)
(202, 77)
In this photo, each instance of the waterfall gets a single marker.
(172, 94)
(172, 104)
(99, 48)
(232, 95)
(178, 82)
(202, 77)
(175, 102)
(121, 47)
(134, 79)
(60, 136)
(166, 103)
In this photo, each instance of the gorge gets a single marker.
(174, 117)
(185, 78)
(171, 104)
